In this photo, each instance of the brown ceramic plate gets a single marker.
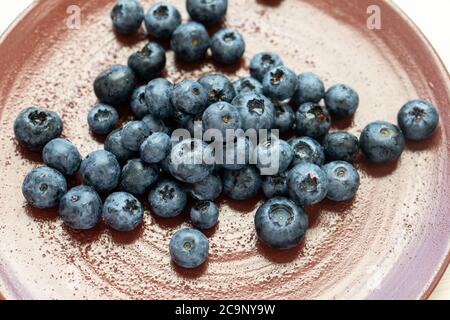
(392, 241)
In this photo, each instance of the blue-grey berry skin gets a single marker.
(162, 19)
(167, 199)
(188, 161)
(280, 83)
(102, 119)
(277, 154)
(181, 119)
(382, 142)
(280, 223)
(209, 189)
(284, 117)
(43, 187)
(257, 112)
(308, 184)
(275, 186)
(190, 41)
(238, 154)
(101, 171)
(189, 97)
(127, 16)
(343, 180)
(137, 177)
(195, 124)
(114, 145)
(122, 212)
(204, 215)
(312, 120)
(310, 88)
(62, 155)
(418, 120)
(156, 125)
(35, 127)
(341, 101)
(149, 62)
(247, 85)
(227, 46)
(207, 12)
(157, 96)
(156, 148)
(307, 150)
(139, 106)
(81, 208)
(242, 184)
(342, 146)
(218, 88)
(115, 85)
(222, 116)
(262, 63)
(134, 134)
(189, 248)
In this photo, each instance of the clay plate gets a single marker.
(392, 241)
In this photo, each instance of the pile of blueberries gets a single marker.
(137, 159)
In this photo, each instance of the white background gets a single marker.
(430, 15)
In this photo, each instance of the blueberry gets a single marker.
(275, 186)
(189, 248)
(242, 184)
(156, 125)
(204, 215)
(122, 212)
(257, 112)
(134, 134)
(101, 171)
(239, 154)
(139, 107)
(182, 119)
(114, 145)
(341, 101)
(149, 62)
(280, 83)
(247, 85)
(209, 188)
(127, 16)
(115, 85)
(218, 88)
(274, 153)
(307, 150)
(343, 180)
(62, 155)
(157, 96)
(162, 19)
(81, 208)
(156, 148)
(308, 184)
(382, 142)
(222, 116)
(418, 120)
(262, 63)
(188, 161)
(167, 199)
(137, 177)
(341, 146)
(189, 97)
(207, 12)
(227, 46)
(35, 127)
(312, 120)
(190, 41)
(284, 117)
(195, 124)
(310, 88)
(102, 119)
(43, 187)
(280, 223)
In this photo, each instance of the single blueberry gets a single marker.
(204, 215)
(190, 41)
(247, 85)
(139, 106)
(101, 171)
(418, 120)
(262, 63)
(207, 12)
(162, 19)
(382, 142)
(280, 223)
(156, 148)
(43, 187)
(167, 199)
(343, 180)
(307, 150)
(156, 125)
(209, 189)
(127, 16)
(137, 177)
(81, 208)
(342, 146)
(134, 134)
(308, 184)
(341, 101)
(149, 62)
(157, 96)
(35, 127)
(102, 119)
(312, 120)
(257, 112)
(189, 248)
(273, 156)
(310, 88)
(238, 153)
(122, 212)
(275, 186)
(242, 184)
(114, 145)
(280, 83)
(222, 116)
(218, 88)
(62, 155)
(115, 85)
(284, 117)
(227, 46)
(189, 97)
